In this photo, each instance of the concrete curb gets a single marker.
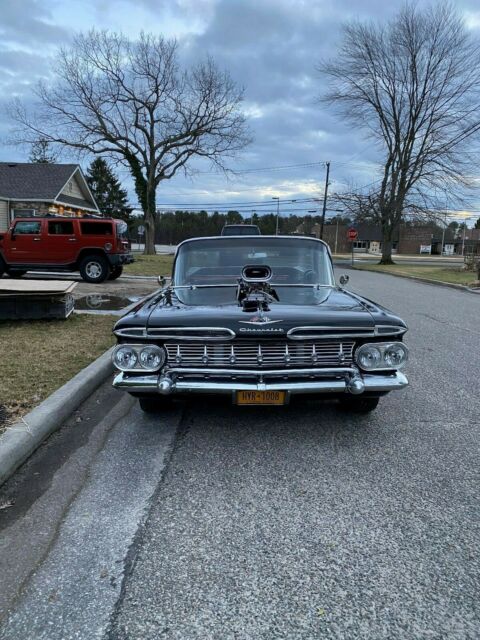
(24, 437)
(451, 285)
(127, 277)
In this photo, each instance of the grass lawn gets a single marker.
(39, 356)
(452, 274)
(160, 265)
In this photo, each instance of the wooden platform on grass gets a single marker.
(17, 287)
(36, 299)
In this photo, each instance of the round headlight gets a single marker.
(395, 355)
(369, 357)
(152, 358)
(125, 358)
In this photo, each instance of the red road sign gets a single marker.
(352, 234)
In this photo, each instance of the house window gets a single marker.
(60, 228)
(360, 244)
(24, 213)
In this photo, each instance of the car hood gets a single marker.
(337, 310)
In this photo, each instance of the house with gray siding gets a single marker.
(28, 189)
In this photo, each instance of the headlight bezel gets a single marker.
(383, 348)
(139, 364)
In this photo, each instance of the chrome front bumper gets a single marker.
(294, 381)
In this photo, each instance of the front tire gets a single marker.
(359, 404)
(94, 269)
(155, 404)
(115, 273)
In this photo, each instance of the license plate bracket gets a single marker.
(274, 398)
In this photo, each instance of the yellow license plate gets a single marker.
(260, 397)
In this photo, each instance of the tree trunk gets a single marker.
(146, 192)
(388, 227)
(386, 251)
(149, 212)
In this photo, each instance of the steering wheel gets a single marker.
(310, 277)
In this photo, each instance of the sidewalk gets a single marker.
(159, 248)
(456, 259)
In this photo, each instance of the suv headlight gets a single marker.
(381, 355)
(138, 357)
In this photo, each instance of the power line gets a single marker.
(277, 168)
(224, 205)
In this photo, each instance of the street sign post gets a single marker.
(352, 235)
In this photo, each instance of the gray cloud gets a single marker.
(271, 47)
(30, 22)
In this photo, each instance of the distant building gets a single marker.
(28, 189)
(409, 239)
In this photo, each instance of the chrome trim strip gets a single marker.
(212, 372)
(360, 333)
(131, 332)
(149, 384)
(310, 335)
(394, 331)
(178, 333)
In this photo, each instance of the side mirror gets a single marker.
(162, 280)
(344, 279)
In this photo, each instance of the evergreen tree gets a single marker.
(477, 224)
(40, 152)
(112, 200)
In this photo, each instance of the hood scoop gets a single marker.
(254, 291)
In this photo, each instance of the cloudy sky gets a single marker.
(270, 47)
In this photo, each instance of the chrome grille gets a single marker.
(261, 354)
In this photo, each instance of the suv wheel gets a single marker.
(3, 267)
(115, 273)
(155, 404)
(94, 269)
(357, 404)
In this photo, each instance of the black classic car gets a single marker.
(259, 318)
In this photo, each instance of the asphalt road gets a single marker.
(301, 522)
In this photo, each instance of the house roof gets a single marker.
(75, 202)
(22, 180)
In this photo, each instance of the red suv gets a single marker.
(97, 247)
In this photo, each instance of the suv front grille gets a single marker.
(261, 354)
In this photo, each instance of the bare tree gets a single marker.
(132, 102)
(414, 85)
(40, 152)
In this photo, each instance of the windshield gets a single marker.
(294, 262)
(241, 230)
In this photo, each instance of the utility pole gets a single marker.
(324, 200)
(278, 212)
